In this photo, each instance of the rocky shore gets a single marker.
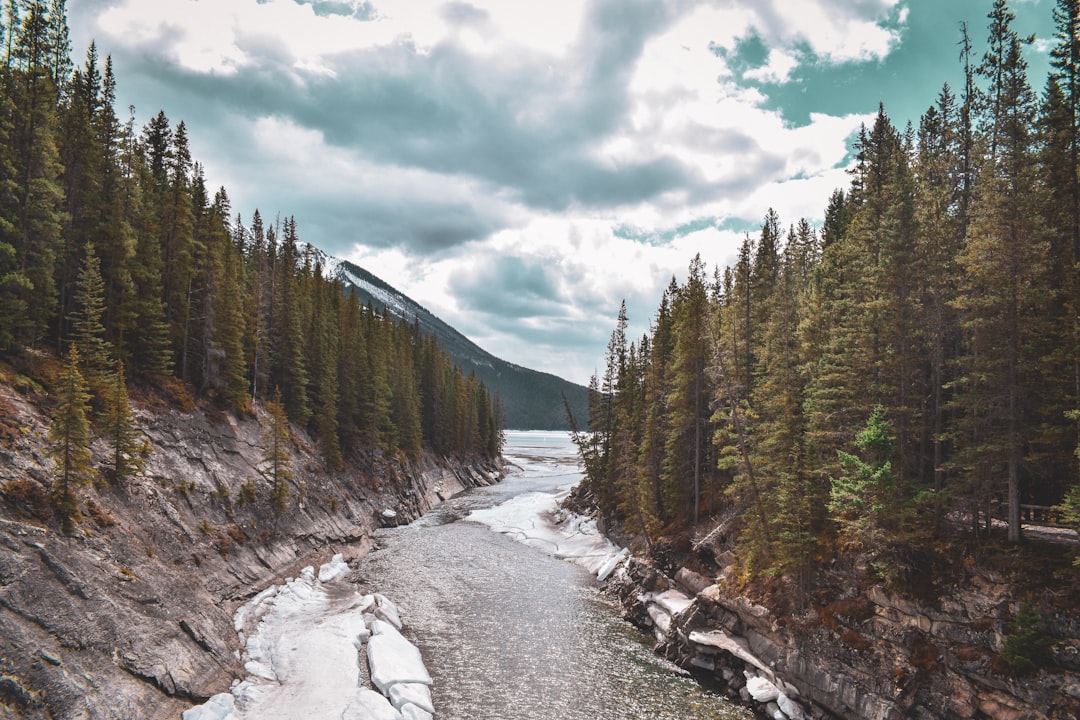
(131, 615)
(872, 655)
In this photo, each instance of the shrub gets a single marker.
(247, 491)
(1027, 646)
(27, 498)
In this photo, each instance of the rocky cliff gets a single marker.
(869, 654)
(130, 615)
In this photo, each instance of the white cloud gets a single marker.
(360, 180)
(777, 68)
(835, 30)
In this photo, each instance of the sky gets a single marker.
(519, 167)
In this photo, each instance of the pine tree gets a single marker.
(687, 442)
(860, 496)
(231, 330)
(143, 312)
(70, 435)
(276, 460)
(651, 454)
(939, 173)
(289, 368)
(778, 452)
(1004, 290)
(35, 205)
(121, 432)
(96, 355)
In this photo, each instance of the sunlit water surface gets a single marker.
(509, 632)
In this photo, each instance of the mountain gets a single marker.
(531, 400)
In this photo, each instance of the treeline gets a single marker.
(907, 369)
(110, 241)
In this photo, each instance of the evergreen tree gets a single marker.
(778, 453)
(861, 496)
(939, 174)
(145, 313)
(687, 457)
(96, 355)
(1003, 289)
(35, 205)
(289, 370)
(70, 435)
(121, 432)
(276, 460)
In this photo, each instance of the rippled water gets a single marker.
(509, 632)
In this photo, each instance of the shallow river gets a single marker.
(508, 631)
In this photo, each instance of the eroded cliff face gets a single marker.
(871, 655)
(131, 615)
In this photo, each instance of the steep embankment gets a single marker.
(131, 614)
(866, 653)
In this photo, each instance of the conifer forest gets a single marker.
(905, 373)
(117, 258)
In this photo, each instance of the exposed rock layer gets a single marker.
(875, 656)
(131, 614)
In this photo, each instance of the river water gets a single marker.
(509, 631)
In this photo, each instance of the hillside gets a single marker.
(130, 615)
(530, 400)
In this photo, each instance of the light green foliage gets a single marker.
(858, 497)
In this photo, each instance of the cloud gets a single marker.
(488, 156)
(836, 31)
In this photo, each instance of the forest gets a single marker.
(117, 257)
(905, 372)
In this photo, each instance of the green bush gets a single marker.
(1027, 646)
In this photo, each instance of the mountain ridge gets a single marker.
(530, 399)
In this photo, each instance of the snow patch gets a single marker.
(761, 689)
(535, 519)
(304, 642)
(219, 707)
(333, 569)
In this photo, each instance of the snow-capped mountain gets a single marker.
(531, 400)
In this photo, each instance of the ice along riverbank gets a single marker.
(506, 628)
(316, 647)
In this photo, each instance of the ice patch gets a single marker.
(415, 693)
(303, 648)
(412, 712)
(673, 601)
(219, 707)
(535, 519)
(761, 689)
(333, 569)
(370, 705)
(387, 610)
(395, 660)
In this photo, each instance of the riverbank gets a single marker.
(131, 614)
(864, 652)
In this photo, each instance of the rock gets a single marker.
(673, 602)
(789, 707)
(692, 581)
(142, 603)
(49, 657)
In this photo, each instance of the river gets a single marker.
(507, 628)
(509, 631)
